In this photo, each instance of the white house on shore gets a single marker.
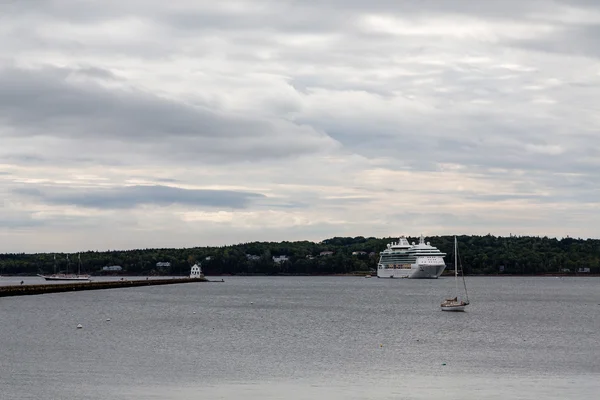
(196, 272)
(112, 268)
(280, 259)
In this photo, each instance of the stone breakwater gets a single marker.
(24, 290)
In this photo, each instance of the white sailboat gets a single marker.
(455, 304)
(67, 276)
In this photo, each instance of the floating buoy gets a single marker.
(79, 326)
(443, 363)
(380, 345)
(194, 312)
(251, 302)
(108, 319)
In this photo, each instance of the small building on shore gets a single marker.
(196, 272)
(112, 268)
(280, 259)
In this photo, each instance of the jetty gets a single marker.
(24, 290)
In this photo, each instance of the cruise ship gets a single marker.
(404, 260)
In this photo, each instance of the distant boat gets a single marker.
(367, 276)
(67, 276)
(454, 304)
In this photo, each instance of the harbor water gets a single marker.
(306, 338)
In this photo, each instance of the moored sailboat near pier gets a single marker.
(67, 276)
(455, 304)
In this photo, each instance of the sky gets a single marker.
(145, 123)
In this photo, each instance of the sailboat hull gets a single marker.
(459, 307)
(65, 278)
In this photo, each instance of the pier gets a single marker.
(24, 290)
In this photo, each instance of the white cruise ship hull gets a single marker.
(415, 272)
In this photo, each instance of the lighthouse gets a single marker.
(196, 272)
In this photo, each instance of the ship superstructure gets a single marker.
(404, 260)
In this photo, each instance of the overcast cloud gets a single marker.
(144, 123)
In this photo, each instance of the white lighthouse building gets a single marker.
(196, 272)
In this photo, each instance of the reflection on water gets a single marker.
(305, 337)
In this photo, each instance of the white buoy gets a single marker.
(79, 326)
(108, 319)
(251, 302)
(194, 312)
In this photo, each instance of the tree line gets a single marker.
(486, 255)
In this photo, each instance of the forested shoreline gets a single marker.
(479, 255)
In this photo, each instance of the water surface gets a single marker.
(306, 337)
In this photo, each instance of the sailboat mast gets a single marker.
(462, 272)
(55, 264)
(455, 267)
(79, 266)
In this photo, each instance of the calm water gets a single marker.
(306, 338)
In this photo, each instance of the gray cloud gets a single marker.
(290, 14)
(20, 222)
(132, 196)
(51, 101)
(509, 197)
(575, 40)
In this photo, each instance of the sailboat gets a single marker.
(454, 304)
(67, 276)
